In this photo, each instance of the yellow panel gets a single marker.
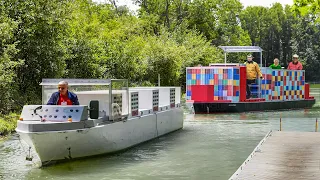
(298, 73)
(281, 97)
(302, 87)
(276, 93)
(230, 82)
(292, 92)
(215, 98)
(220, 71)
(211, 82)
(287, 93)
(273, 78)
(203, 71)
(234, 82)
(193, 76)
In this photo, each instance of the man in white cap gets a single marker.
(295, 64)
(253, 72)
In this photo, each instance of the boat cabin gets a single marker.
(103, 99)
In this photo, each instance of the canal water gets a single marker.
(209, 147)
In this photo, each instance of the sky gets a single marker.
(245, 3)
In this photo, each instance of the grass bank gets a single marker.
(8, 123)
(314, 85)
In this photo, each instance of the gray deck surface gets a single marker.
(285, 155)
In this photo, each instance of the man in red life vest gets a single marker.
(295, 64)
(63, 96)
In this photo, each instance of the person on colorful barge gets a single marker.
(63, 96)
(253, 71)
(295, 64)
(275, 64)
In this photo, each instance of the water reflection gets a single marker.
(209, 147)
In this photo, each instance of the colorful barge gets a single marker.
(222, 88)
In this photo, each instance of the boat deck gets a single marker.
(283, 155)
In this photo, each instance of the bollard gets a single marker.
(316, 124)
(280, 124)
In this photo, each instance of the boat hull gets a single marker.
(56, 146)
(207, 108)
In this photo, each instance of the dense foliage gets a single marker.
(82, 39)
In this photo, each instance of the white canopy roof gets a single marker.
(75, 82)
(241, 48)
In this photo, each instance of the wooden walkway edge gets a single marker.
(283, 155)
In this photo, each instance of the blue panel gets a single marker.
(238, 93)
(273, 73)
(287, 88)
(188, 93)
(236, 71)
(292, 87)
(198, 76)
(275, 83)
(211, 76)
(302, 82)
(220, 87)
(298, 87)
(189, 76)
(230, 74)
(220, 93)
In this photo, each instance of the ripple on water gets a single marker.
(209, 147)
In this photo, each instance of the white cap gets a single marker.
(295, 56)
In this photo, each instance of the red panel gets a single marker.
(198, 82)
(306, 90)
(218, 101)
(243, 79)
(203, 93)
(235, 90)
(156, 108)
(255, 100)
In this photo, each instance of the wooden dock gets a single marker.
(283, 155)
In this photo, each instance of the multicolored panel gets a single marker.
(226, 81)
(277, 84)
(294, 82)
(266, 89)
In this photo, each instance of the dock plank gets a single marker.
(284, 155)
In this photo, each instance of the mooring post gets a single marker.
(316, 124)
(280, 124)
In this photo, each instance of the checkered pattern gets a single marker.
(224, 79)
(155, 100)
(117, 99)
(134, 103)
(172, 97)
(282, 84)
(277, 84)
(293, 82)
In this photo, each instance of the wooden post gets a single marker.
(280, 124)
(316, 125)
